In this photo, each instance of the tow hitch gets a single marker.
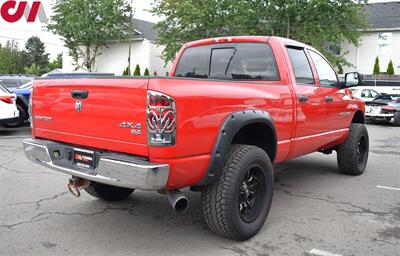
(75, 184)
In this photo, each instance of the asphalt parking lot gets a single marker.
(316, 211)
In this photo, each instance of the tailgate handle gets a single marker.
(79, 94)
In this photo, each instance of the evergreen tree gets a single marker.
(390, 68)
(377, 69)
(146, 72)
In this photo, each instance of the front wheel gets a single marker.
(352, 155)
(107, 192)
(396, 119)
(237, 204)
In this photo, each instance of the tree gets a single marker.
(377, 69)
(146, 72)
(315, 22)
(137, 71)
(36, 53)
(11, 59)
(89, 26)
(390, 68)
(32, 70)
(55, 64)
(155, 73)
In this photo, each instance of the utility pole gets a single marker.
(130, 38)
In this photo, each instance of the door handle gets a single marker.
(79, 94)
(303, 98)
(328, 99)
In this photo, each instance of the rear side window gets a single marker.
(301, 66)
(243, 61)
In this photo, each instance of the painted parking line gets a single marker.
(390, 188)
(318, 252)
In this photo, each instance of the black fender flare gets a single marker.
(230, 127)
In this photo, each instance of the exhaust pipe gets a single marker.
(178, 201)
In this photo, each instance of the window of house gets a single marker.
(301, 66)
(327, 75)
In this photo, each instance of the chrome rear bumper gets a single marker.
(113, 169)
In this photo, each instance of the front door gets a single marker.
(310, 106)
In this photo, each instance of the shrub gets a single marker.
(146, 72)
(127, 72)
(137, 71)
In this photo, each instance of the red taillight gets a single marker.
(161, 119)
(7, 99)
(388, 108)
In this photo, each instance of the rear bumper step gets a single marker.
(112, 169)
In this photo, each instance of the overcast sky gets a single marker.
(22, 30)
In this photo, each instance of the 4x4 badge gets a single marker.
(78, 106)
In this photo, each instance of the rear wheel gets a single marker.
(237, 204)
(352, 155)
(18, 122)
(107, 192)
(396, 119)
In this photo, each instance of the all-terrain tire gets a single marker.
(396, 118)
(352, 155)
(107, 192)
(221, 201)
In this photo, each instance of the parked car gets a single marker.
(232, 108)
(385, 107)
(15, 81)
(365, 94)
(8, 109)
(23, 94)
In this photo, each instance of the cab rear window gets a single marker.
(242, 61)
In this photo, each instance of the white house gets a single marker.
(381, 39)
(145, 52)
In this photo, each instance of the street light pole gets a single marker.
(130, 38)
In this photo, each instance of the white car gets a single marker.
(365, 94)
(8, 108)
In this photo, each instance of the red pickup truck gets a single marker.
(231, 109)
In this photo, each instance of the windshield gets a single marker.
(242, 61)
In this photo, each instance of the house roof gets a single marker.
(144, 29)
(383, 15)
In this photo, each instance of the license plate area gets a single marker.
(84, 158)
(373, 109)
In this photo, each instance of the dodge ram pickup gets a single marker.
(231, 109)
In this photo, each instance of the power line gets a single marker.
(26, 40)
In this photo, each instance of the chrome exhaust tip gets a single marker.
(179, 202)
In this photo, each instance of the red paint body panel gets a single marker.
(201, 108)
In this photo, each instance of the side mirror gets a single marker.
(352, 79)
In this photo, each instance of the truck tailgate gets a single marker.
(108, 114)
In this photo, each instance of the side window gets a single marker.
(366, 94)
(374, 94)
(327, 75)
(301, 66)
